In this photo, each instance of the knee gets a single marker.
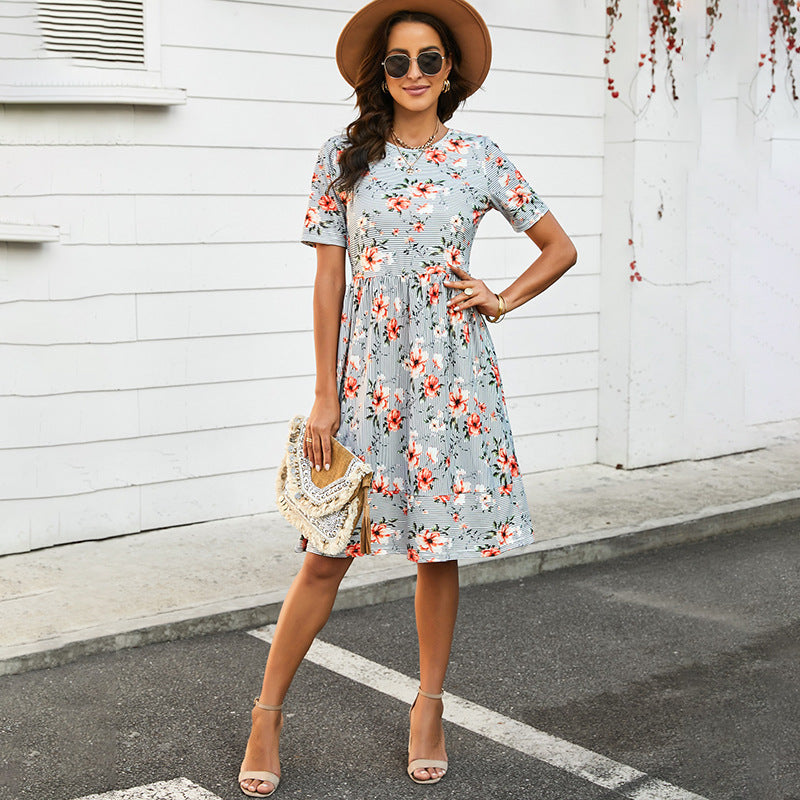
(324, 569)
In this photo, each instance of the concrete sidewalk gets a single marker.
(60, 603)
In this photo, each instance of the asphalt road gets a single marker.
(683, 663)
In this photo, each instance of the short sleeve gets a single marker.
(509, 192)
(326, 215)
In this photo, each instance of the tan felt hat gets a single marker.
(464, 21)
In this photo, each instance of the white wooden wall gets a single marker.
(151, 358)
(702, 356)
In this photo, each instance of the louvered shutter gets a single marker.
(110, 31)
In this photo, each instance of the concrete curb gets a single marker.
(259, 610)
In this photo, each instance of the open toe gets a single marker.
(425, 764)
(250, 781)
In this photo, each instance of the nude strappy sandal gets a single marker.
(424, 763)
(263, 775)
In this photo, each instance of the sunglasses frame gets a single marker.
(413, 58)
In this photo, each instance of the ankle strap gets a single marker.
(432, 696)
(258, 703)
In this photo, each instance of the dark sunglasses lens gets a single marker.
(430, 63)
(397, 65)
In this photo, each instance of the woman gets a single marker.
(406, 370)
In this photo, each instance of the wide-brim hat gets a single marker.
(466, 24)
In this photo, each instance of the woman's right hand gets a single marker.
(323, 422)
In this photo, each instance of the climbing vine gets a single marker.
(663, 25)
(712, 15)
(663, 20)
(613, 12)
(782, 21)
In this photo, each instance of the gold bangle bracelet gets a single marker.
(501, 309)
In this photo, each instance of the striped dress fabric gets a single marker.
(420, 392)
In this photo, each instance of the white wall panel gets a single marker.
(275, 124)
(298, 79)
(45, 420)
(89, 271)
(75, 417)
(128, 365)
(567, 34)
(548, 374)
(27, 524)
(209, 497)
(545, 335)
(114, 464)
(545, 413)
(155, 219)
(566, 448)
(177, 170)
(96, 319)
(157, 169)
(224, 405)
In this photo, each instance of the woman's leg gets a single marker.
(303, 614)
(436, 606)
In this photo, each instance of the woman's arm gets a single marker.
(329, 288)
(557, 256)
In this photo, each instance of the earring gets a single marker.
(446, 86)
(385, 87)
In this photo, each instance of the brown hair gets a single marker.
(367, 133)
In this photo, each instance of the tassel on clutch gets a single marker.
(325, 505)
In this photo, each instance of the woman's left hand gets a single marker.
(483, 299)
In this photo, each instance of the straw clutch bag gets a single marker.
(325, 505)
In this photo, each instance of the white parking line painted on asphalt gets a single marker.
(176, 789)
(593, 767)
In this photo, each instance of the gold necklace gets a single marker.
(398, 142)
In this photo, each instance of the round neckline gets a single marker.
(400, 147)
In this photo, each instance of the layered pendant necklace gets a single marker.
(398, 143)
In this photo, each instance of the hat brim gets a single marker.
(464, 21)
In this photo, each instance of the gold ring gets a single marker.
(469, 291)
(309, 439)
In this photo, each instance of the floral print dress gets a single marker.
(419, 386)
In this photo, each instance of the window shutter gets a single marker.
(111, 31)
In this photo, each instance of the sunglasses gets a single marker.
(398, 64)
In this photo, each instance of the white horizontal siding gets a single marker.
(264, 76)
(148, 219)
(88, 417)
(188, 315)
(116, 463)
(129, 365)
(76, 170)
(154, 355)
(269, 123)
(82, 270)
